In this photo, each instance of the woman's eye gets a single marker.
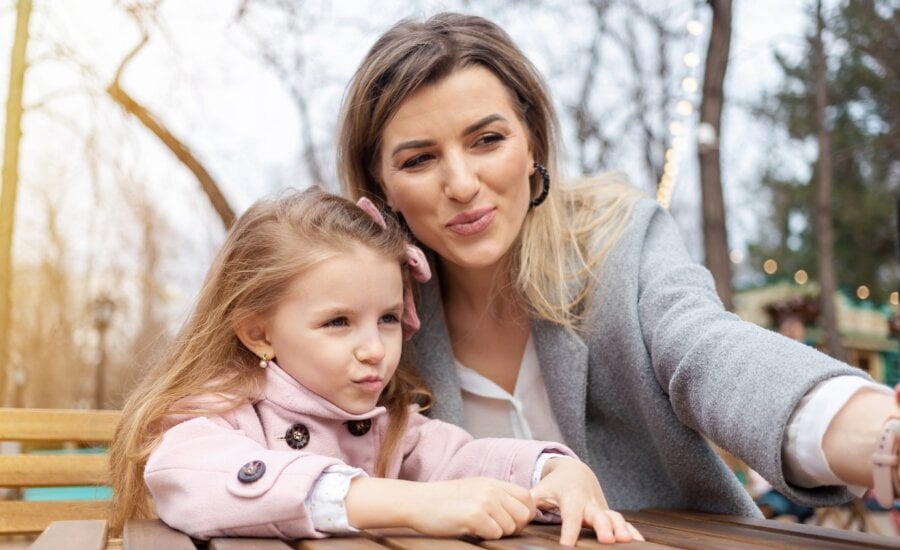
(415, 162)
(389, 318)
(489, 139)
(337, 322)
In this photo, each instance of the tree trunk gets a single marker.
(12, 137)
(824, 230)
(179, 149)
(715, 236)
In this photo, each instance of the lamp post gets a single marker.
(103, 307)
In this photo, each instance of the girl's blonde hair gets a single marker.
(564, 241)
(265, 250)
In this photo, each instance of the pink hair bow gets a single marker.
(418, 268)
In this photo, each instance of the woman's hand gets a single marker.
(482, 507)
(571, 486)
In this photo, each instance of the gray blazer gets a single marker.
(659, 365)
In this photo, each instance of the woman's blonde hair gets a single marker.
(562, 242)
(265, 250)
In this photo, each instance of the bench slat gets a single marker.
(74, 535)
(33, 517)
(37, 470)
(57, 425)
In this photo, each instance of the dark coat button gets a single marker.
(297, 436)
(359, 427)
(251, 471)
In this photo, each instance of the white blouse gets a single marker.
(490, 411)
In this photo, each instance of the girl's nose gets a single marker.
(461, 183)
(370, 348)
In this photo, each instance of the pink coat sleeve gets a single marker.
(436, 450)
(196, 480)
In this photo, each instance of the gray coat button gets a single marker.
(251, 471)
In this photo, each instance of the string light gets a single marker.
(801, 277)
(862, 292)
(770, 266)
(684, 107)
(895, 298)
(695, 27)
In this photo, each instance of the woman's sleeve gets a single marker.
(436, 451)
(209, 479)
(731, 380)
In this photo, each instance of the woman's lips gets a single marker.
(472, 222)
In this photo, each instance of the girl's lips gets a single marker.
(371, 384)
(472, 222)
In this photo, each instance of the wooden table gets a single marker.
(662, 528)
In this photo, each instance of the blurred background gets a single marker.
(136, 131)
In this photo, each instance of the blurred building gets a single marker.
(869, 332)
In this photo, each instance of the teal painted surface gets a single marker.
(86, 492)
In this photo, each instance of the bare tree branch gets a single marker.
(175, 145)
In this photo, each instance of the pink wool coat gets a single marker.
(248, 472)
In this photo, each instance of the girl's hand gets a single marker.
(571, 486)
(483, 507)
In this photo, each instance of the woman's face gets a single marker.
(455, 161)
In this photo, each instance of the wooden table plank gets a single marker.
(340, 543)
(587, 539)
(810, 532)
(407, 539)
(150, 534)
(74, 534)
(734, 534)
(247, 544)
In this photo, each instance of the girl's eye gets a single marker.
(389, 318)
(415, 162)
(337, 322)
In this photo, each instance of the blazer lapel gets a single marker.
(435, 355)
(564, 363)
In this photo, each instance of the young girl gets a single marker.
(287, 389)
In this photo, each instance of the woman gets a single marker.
(575, 312)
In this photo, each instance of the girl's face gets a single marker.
(455, 161)
(338, 332)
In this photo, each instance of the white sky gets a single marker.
(204, 78)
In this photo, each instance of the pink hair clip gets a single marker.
(418, 268)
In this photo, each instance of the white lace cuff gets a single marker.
(325, 501)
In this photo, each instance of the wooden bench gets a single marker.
(26, 470)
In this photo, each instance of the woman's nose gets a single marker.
(460, 180)
(370, 348)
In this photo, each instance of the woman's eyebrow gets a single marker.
(474, 127)
(482, 123)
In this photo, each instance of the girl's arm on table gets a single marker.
(209, 479)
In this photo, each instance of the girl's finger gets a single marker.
(603, 527)
(635, 534)
(571, 525)
(619, 526)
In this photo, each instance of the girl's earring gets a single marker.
(545, 176)
(264, 362)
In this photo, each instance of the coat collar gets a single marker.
(283, 390)
(563, 357)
